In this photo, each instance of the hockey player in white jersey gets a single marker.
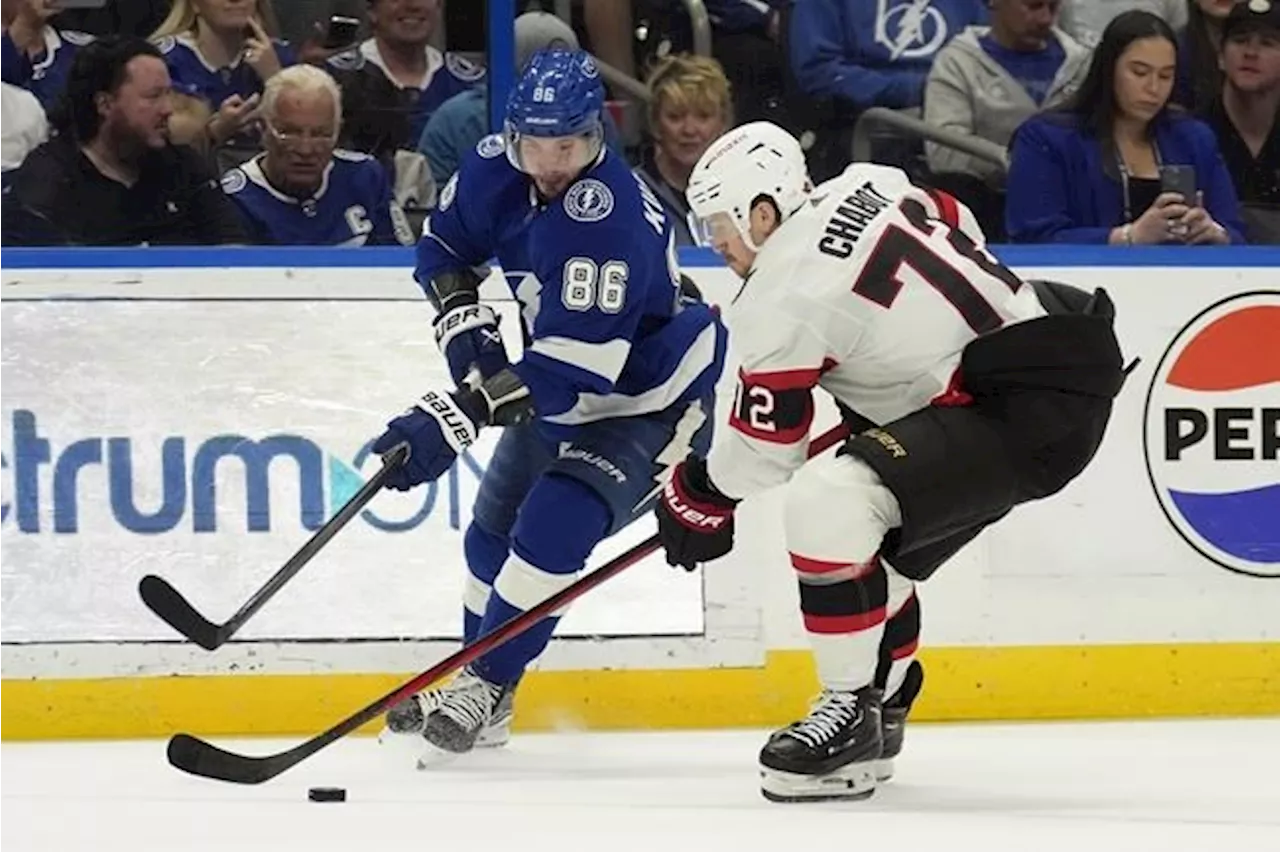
(969, 391)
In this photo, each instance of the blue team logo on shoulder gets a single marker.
(588, 200)
(233, 181)
(491, 146)
(462, 68)
(76, 37)
(447, 194)
(166, 44)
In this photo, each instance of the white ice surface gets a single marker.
(1161, 786)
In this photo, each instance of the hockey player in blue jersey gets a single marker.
(616, 381)
(303, 191)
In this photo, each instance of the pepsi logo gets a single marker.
(1212, 436)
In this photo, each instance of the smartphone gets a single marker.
(81, 4)
(1179, 179)
(341, 32)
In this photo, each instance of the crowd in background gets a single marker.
(337, 122)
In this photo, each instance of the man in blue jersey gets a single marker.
(616, 380)
(394, 81)
(303, 191)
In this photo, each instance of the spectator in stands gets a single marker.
(393, 82)
(22, 128)
(1199, 78)
(867, 53)
(691, 108)
(1092, 171)
(850, 55)
(1084, 20)
(34, 55)
(462, 121)
(1244, 116)
(220, 54)
(110, 176)
(985, 83)
(301, 191)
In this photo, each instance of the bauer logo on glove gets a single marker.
(695, 521)
(436, 430)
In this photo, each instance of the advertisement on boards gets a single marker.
(1212, 440)
(206, 441)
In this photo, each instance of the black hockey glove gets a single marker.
(695, 521)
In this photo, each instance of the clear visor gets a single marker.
(553, 156)
(717, 229)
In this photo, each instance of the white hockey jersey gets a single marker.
(870, 292)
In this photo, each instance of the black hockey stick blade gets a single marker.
(168, 603)
(197, 757)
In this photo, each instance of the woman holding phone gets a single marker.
(1118, 164)
(220, 54)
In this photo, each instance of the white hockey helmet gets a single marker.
(755, 159)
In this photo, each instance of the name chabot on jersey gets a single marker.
(850, 219)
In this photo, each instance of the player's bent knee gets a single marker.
(485, 551)
(837, 508)
(559, 523)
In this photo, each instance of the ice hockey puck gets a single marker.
(327, 794)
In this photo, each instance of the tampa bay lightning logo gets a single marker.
(491, 146)
(234, 181)
(588, 200)
(447, 194)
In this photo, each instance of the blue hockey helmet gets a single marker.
(559, 94)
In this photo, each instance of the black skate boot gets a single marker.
(410, 716)
(465, 708)
(894, 724)
(828, 755)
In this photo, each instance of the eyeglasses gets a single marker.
(299, 137)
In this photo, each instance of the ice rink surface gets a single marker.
(1161, 786)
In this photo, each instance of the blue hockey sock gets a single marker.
(560, 522)
(486, 552)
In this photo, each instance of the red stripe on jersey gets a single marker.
(948, 209)
(954, 395)
(834, 624)
(805, 565)
(904, 651)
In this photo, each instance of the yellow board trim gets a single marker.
(1002, 683)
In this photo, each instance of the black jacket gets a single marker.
(58, 197)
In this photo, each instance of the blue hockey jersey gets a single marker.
(45, 76)
(193, 75)
(874, 52)
(354, 206)
(594, 271)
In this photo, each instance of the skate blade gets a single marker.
(884, 769)
(435, 758)
(854, 782)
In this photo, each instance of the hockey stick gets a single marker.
(168, 603)
(197, 757)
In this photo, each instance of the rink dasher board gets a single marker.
(1000, 615)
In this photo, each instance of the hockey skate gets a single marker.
(409, 717)
(464, 709)
(829, 755)
(893, 726)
